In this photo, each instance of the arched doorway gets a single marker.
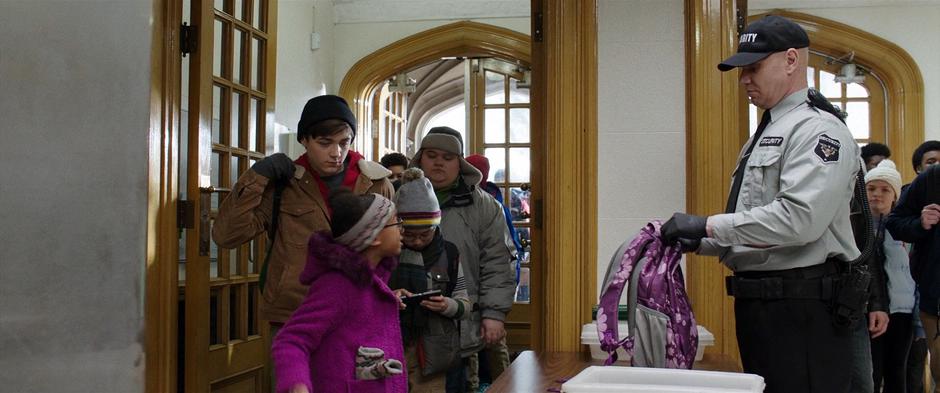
(464, 65)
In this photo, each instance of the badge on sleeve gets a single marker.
(827, 149)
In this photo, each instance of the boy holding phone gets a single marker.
(430, 280)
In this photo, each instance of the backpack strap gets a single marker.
(631, 298)
(272, 230)
(622, 268)
(453, 264)
(628, 263)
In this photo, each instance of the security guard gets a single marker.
(786, 233)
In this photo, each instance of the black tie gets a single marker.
(739, 173)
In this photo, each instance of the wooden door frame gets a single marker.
(160, 315)
(564, 119)
(716, 127)
(563, 58)
(162, 245)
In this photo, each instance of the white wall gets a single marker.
(916, 29)
(641, 118)
(302, 73)
(75, 98)
(357, 40)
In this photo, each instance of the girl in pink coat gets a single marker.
(345, 337)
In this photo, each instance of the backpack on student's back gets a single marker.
(662, 330)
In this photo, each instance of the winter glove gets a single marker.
(684, 226)
(371, 364)
(689, 245)
(275, 167)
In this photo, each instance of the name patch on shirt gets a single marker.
(827, 149)
(771, 141)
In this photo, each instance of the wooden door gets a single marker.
(228, 89)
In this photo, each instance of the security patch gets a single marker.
(827, 149)
(771, 141)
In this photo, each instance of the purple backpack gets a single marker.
(662, 330)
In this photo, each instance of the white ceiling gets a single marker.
(770, 4)
(364, 11)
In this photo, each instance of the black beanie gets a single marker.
(323, 108)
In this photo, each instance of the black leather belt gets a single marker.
(812, 282)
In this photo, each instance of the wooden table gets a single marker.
(536, 373)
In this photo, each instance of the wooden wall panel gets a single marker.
(716, 127)
(564, 72)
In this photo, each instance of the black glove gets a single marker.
(684, 226)
(275, 167)
(689, 245)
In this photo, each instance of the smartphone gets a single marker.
(418, 297)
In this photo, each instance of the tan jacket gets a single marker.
(246, 213)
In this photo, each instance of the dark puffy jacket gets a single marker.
(904, 225)
(878, 288)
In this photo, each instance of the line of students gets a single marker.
(337, 236)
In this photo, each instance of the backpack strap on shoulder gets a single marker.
(453, 264)
(279, 187)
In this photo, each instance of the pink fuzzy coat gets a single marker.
(349, 306)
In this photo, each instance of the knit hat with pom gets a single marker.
(417, 205)
(887, 172)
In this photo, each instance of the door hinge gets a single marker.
(185, 214)
(538, 214)
(537, 30)
(188, 39)
(741, 15)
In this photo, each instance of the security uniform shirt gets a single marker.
(793, 205)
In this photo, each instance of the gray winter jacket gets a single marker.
(473, 220)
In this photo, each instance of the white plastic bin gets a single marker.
(597, 379)
(589, 338)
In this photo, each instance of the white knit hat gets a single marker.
(886, 171)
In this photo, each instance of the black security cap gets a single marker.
(765, 36)
(323, 108)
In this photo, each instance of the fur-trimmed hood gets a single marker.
(326, 255)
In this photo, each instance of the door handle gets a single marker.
(205, 216)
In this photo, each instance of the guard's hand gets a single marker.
(877, 323)
(275, 167)
(684, 226)
(689, 245)
(492, 331)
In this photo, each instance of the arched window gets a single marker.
(391, 108)
(863, 103)
(892, 80)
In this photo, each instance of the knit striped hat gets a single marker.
(417, 205)
(367, 228)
